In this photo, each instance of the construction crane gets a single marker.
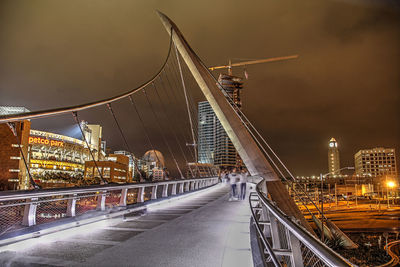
(251, 62)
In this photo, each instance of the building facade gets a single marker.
(132, 159)
(376, 162)
(57, 160)
(207, 125)
(214, 145)
(333, 158)
(13, 149)
(114, 169)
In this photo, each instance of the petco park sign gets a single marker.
(44, 141)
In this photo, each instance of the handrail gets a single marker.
(260, 234)
(58, 111)
(327, 255)
(15, 195)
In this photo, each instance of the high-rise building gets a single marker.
(333, 158)
(214, 145)
(376, 162)
(206, 142)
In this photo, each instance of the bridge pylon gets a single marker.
(252, 156)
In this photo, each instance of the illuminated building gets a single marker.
(93, 134)
(207, 121)
(333, 158)
(131, 157)
(153, 165)
(56, 160)
(201, 170)
(214, 145)
(376, 162)
(114, 169)
(13, 173)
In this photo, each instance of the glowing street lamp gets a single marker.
(389, 184)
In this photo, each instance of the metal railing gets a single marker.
(284, 241)
(22, 209)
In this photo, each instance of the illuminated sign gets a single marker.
(43, 141)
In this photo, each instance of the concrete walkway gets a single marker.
(204, 229)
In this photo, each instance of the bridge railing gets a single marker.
(21, 209)
(284, 241)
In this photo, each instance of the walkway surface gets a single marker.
(203, 229)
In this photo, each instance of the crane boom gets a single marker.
(244, 63)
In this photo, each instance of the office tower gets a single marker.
(376, 162)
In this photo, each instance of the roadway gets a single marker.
(364, 217)
(203, 229)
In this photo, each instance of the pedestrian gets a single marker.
(233, 177)
(243, 184)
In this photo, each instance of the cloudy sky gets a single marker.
(345, 84)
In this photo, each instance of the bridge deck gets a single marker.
(204, 229)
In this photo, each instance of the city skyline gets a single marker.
(296, 105)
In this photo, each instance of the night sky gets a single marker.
(345, 84)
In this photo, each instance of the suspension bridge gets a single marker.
(186, 221)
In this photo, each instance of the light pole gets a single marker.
(322, 198)
(390, 184)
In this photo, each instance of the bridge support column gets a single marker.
(154, 192)
(196, 185)
(30, 212)
(187, 186)
(71, 205)
(140, 195)
(165, 190)
(122, 200)
(101, 201)
(181, 188)
(173, 192)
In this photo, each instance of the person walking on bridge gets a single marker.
(233, 177)
(243, 184)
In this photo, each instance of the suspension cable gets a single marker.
(75, 115)
(192, 129)
(174, 118)
(190, 112)
(242, 116)
(162, 134)
(184, 127)
(123, 137)
(187, 103)
(144, 127)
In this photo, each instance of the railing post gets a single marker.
(173, 191)
(122, 200)
(181, 188)
(187, 186)
(30, 212)
(140, 195)
(276, 243)
(165, 190)
(294, 246)
(101, 201)
(196, 185)
(154, 192)
(71, 205)
(192, 186)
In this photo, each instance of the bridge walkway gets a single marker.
(204, 229)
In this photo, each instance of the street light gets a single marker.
(389, 184)
(322, 197)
